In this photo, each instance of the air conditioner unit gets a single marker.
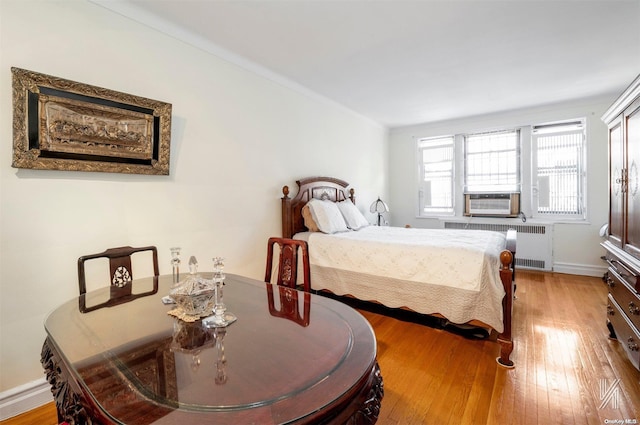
(492, 204)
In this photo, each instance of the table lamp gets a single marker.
(379, 207)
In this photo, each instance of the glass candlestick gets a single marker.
(218, 281)
(220, 317)
(175, 263)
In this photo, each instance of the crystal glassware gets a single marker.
(220, 317)
(175, 263)
(218, 281)
(194, 295)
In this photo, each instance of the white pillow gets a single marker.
(327, 216)
(352, 215)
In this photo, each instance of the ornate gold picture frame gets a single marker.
(64, 125)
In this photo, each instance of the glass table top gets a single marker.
(288, 353)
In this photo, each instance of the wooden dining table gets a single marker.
(291, 357)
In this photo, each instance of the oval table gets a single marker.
(289, 358)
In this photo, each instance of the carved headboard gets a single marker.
(325, 188)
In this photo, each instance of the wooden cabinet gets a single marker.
(632, 132)
(623, 241)
(616, 167)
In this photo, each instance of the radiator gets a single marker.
(535, 241)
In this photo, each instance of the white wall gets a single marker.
(237, 138)
(575, 246)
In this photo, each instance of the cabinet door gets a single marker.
(632, 124)
(616, 178)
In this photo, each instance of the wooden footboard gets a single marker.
(507, 274)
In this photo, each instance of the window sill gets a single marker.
(503, 220)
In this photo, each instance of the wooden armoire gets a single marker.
(623, 240)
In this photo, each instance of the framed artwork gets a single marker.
(64, 125)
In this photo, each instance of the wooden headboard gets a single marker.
(325, 188)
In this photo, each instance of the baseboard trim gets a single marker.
(580, 269)
(23, 398)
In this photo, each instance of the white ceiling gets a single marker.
(402, 62)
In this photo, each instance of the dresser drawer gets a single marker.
(624, 270)
(625, 332)
(626, 297)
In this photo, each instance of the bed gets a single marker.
(463, 276)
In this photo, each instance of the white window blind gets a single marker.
(492, 162)
(560, 150)
(436, 175)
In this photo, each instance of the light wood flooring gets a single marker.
(562, 355)
(562, 358)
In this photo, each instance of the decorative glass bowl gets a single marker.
(195, 296)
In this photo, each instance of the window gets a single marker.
(545, 163)
(436, 175)
(560, 174)
(492, 162)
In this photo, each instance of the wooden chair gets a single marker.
(288, 263)
(121, 275)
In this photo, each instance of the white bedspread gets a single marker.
(451, 272)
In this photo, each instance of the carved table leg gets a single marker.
(370, 401)
(371, 408)
(67, 398)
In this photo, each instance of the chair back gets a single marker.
(121, 274)
(288, 263)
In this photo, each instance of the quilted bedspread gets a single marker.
(451, 272)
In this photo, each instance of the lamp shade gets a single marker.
(379, 206)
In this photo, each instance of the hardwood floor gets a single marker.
(43, 415)
(562, 358)
(562, 355)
